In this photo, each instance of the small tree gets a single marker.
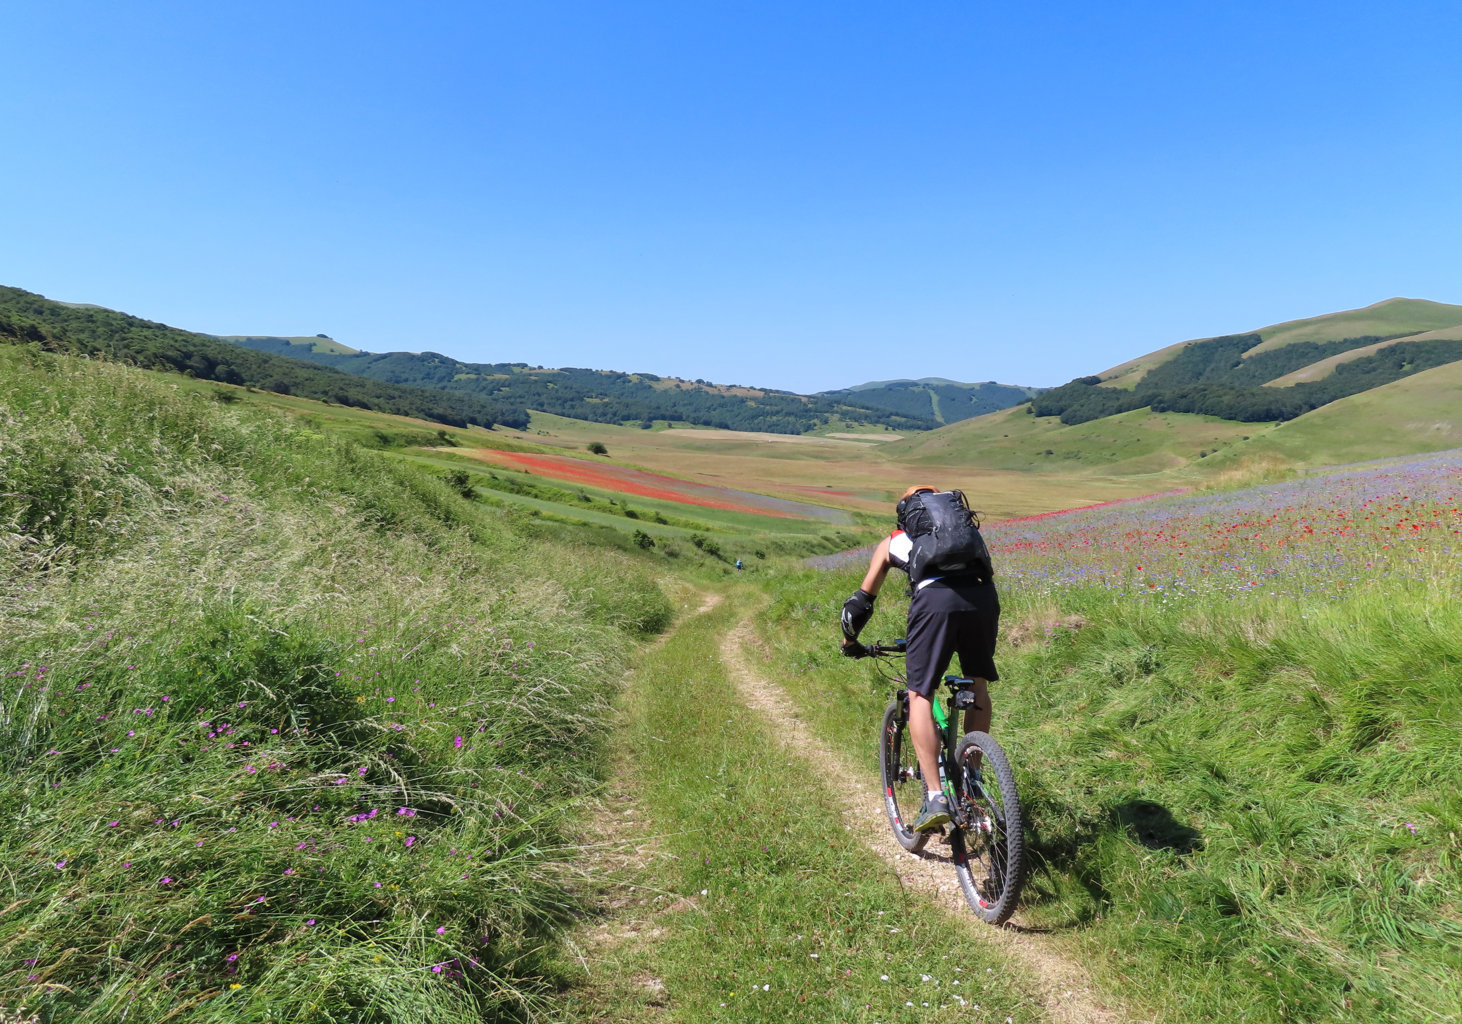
(644, 540)
(595, 448)
(461, 482)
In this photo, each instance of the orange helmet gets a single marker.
(904, 501)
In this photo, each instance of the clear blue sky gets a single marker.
(801, 195)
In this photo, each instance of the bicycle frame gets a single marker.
(960, 699)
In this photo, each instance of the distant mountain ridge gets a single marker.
(938, 398)
(609, 396)
(295, 347)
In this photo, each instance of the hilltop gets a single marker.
(1274, 373)
(98, 332)
(936, 398)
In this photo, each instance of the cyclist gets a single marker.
(947, 615)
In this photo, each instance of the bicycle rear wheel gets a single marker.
(989, 850)
(903, 789)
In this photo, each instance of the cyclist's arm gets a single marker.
(878, 567)
(859, 607)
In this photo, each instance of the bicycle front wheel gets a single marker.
(989, 848)
(903, 789)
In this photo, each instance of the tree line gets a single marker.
(27, 318)
(1212, 378)
(609, 396)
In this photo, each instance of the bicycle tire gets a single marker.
(903, 789)
(989, 850)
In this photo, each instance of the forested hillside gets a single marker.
(609, 396)
(1213, 377)
(94, 331)
(944, 401)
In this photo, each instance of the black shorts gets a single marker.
(947, 619)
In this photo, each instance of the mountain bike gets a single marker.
(986, 838)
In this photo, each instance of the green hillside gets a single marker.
(30, 319)
(1235, 377)
(1324, 367)
(1134, 443)
(1420, 413)
(934, 398)
(609, 396)
(291, 731)
(1391, 318)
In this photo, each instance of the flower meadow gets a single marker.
(1325, 534)
(291, 732)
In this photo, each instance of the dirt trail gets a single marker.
(1061, 982)
(617, 985)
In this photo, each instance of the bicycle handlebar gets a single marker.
(899, 646)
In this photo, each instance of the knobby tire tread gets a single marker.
(894, 740)
(1011, 837)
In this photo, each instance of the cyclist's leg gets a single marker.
(978, 717)
(930, 647)
(976, 629)
(926, 739)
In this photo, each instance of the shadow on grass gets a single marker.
(1154, 826)
(1064, 847)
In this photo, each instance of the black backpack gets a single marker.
(945, 535)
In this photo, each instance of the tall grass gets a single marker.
(1242, 810)
(293, 731)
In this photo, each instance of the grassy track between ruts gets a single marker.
(767, 909)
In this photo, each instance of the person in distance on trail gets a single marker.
(953, 611)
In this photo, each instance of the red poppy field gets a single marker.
(653, 485)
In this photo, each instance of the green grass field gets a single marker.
(1238, 813)
(309, 715)
(292, 731)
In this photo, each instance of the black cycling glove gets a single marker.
(857, 610)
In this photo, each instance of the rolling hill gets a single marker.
(1275, 373)
(1389, 319)
(944, 401)
(296, 347)
(1421, 412)
(610, 396)
(98, 332)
